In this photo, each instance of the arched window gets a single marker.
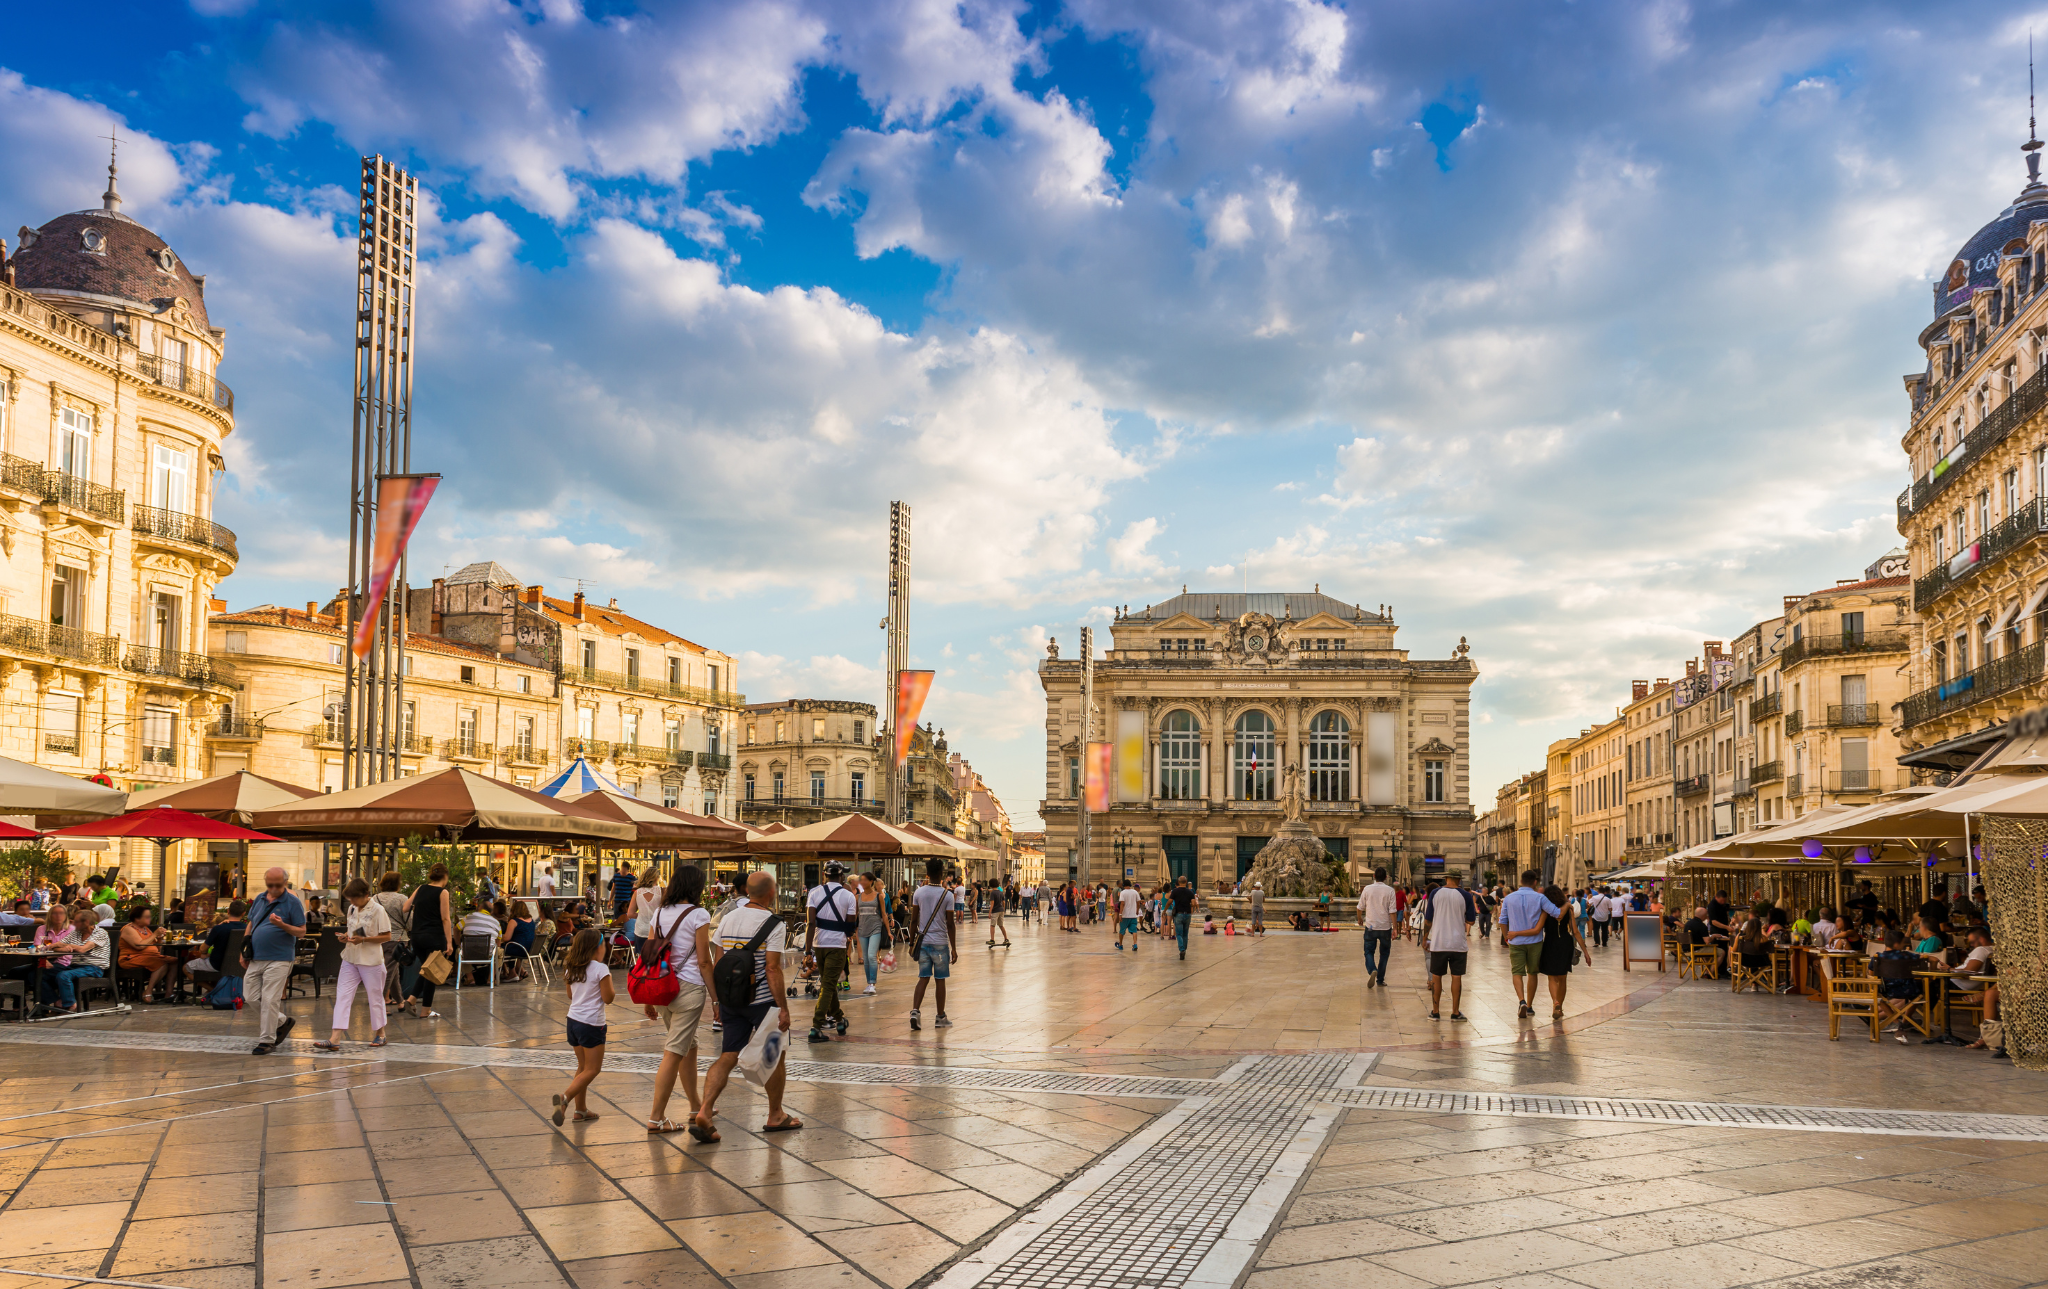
(1180, 757)
(1251, 755)
(1329, 758)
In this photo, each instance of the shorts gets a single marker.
(934, 961)
(739, 1029)
(1130, 926)
(1439, 963)
(582, 1035)
(1524, 959)
(681, 1018)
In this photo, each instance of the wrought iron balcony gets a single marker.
(19, 474)
(169, 664)
(159, 756)
(1794, 722)
(1768, 772)
(1795, 785)
(635, 684)
(56, 488)
(186, 379)
(169, 525)
(1854, 714)
(48, 640)
(466, 749)
(594, 749)
(1999, 676)
(714, 761)
(1693, 786)
(1767, 706)
(521, 754)
(1990, 432)
(234, 727)
(1743, 788)
(1857, 642)
(2022, 526)
(416, 744)
(1857, 781)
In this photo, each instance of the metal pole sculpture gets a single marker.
(1087, 734)
(897, 648)
(373, 696)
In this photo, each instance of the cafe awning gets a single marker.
(453, 805)
(847, 835)
(660, 826)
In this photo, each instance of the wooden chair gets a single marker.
(1915, 1013)
(1747, 977)
(1857, 999)
(1966, 1003)
(1700, 961)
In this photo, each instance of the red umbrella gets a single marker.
(163, 825)
(15, 832)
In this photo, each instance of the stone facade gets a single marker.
(1223, 694)
(806, 759)
(112, 421)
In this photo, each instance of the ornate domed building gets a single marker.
(111, 424)
(1977, 509)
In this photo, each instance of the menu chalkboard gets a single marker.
(202, 890)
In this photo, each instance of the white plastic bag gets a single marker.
(763, 1051)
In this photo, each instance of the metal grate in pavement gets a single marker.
(1904, 1123)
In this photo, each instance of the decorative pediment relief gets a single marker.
(1182, 622)
(1323, 622)
(1435, 747)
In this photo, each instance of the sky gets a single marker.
(1574, 330)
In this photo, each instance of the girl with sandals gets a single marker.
(590, 992)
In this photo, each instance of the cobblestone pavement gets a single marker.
(1093, 1118)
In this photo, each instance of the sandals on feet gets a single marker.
(702, 1133)
(582, 1116)
(663, 1125)
(561, 1109)
(789, 1124)
(322, 1045)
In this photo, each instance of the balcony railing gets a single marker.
(1854, 714)
(159, 756)
(1990, 432)
(234, 727)
(593, 748)
(1693, 786)
(74, 493)
(169, 664)
(54, 487)
(1857, 781)
(714, 761)
(831, 805)
(1767, 706)
(1855, 642)
(520, 754)
(186, 379)
(1999, 676)
(1768, 772)
(2022, 526)
(172, 526)
(416, 744)
(648, 685)
(86, 648)
(1794, 722)
(1795, 785)
(64, 743)
(648, 752)
(465, 749)
(1743, 788)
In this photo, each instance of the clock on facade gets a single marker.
(1255, 643)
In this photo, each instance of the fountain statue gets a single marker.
(1295, 863)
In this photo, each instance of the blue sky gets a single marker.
(1574, 330)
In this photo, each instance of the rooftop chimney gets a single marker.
(1692, 666)
(577, 606)
(1791, 603)
(1639, 689)
(614, 603)
(1662, 683)
(1712, 648)
(313, 608)
(533, 594)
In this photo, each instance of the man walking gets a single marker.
(1183, 897)
(1448, 916)
(1521, 929)
(1487, 903)
(735, 931)
(276, 921)
(932, 910)
(832, 913)
(1127, 915)
(1602, 910)
(1376, 915)
(1044, 899)
(998, 896)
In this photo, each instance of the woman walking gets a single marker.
(646, 899)
(687, 928)
(872, 929)
(365, 932)
(1562, 945)
(433, 930)
(590, 992)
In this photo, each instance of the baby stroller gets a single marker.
(807, 976)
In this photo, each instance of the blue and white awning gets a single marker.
(580, 778)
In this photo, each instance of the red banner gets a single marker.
(911, 688)
(401, 500)
(1095, 775)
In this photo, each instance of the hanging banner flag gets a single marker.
(1130, 756)
(401, 500)
(1095, 770)
(911, 687)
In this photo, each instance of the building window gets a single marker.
(860, 731)
(74, 430)
(465, 731)
(60, 724)
(749, 783)
(585, 720)
(776, 784)
(817, 727)
(859, 787)
(629, 729)
(1073, 778)
(632, 666)
(523, 736)
(1251, 777)
(67, 597)
(467, 675)
(714, 678)
(411, 719)
(675, 671)
(525, 685)
(170, 478)
(1433, 782)
(1329, 758)
(710, 805)
(238, 642)
(711, 735)
(817, 787)
(671, 795)
(672, 735)
(1852, 627)
(159, 745)
(1180, 757)
(590, 655)
(750, 732)
(1983, 512)
(2012, 492)
(778, 731)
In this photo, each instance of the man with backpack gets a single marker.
(747, 980)
(832, 913)
(933, 915)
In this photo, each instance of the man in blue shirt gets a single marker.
(622, 889)
(1521, 926)
(276, 921)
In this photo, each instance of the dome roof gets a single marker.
(1975, 267)
(106, 254)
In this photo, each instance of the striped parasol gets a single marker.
(578, 779)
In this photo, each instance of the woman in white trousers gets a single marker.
(362, 964)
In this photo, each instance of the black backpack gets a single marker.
(732, 979)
